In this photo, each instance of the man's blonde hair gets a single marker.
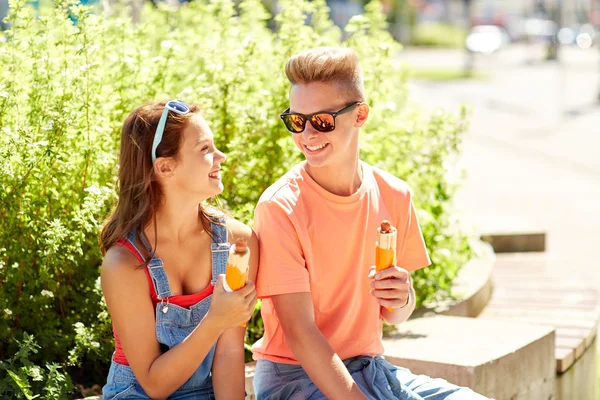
(336, 65)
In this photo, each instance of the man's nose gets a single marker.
(309, 132)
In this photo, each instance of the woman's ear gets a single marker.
(164, 166)
(362, 115)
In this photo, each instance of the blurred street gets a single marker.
(533, 154)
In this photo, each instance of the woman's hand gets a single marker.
(231, 309)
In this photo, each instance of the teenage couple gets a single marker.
(178, 332)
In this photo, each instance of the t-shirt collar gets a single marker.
(367, 178)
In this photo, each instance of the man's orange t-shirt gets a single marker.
(314, 241)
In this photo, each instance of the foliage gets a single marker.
(438, 34)
(65, 90)
(20, 378)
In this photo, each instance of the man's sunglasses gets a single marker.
(177, 106)
(321, 121)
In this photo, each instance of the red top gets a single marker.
(185, 301)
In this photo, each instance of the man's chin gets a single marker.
(316, 162)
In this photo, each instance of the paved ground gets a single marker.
(533, 155)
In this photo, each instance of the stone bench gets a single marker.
(471, 289)
(499, 359)
(531, 286)
(536, 289)
(511, 235)
(481, 354)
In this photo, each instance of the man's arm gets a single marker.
(321, 363)
(400, 315)
(393, 290)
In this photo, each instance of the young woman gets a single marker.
(177, 331)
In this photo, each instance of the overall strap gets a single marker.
(219, 247)
(131, 240)
(156, 270)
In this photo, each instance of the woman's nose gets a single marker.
(221, 157)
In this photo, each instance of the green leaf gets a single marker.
(22, 385)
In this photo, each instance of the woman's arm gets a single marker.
(127, 295)
(229, 364)
(228, 375)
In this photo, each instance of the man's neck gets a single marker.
(341, 181)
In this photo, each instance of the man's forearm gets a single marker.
(323, 365)
(400, 315)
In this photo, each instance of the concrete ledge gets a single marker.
(580, 381)
(482, 354)
(533, 288)
(516, 242)
(471, 290)
(510, 234)
(250, 367)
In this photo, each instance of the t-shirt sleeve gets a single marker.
(281, 269)
(412, 252)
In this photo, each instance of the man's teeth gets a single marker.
(315, 148)
(214, 174)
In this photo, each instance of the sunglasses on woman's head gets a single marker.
(321, 121)
(177, 106)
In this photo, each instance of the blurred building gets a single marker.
(507, 13)
(521, 19)
(595, 13)
(343, 10)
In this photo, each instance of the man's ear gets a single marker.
(362, 115)
(164, 166)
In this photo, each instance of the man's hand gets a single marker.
(391, 287)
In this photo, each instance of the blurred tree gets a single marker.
(469, 56)
(556, 17)
(446, 14)
(3, 14)
(402, 17)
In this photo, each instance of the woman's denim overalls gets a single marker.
(173, 326)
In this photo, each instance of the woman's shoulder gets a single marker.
(239, 230)
(121, 275)
(235, 228)
(119, 261)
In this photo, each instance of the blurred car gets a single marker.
(583, 36)
(540, 29)
(486, 39)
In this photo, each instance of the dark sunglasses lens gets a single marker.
(178, 106)
(323, 122)
(294, 123)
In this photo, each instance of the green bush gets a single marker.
(22, 378)
(65, 90)
(438, 34)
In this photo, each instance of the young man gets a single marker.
(322, 301)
